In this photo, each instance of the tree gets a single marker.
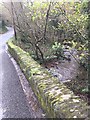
(41, 24)
(14, 25)
(88, 29)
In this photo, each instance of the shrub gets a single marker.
(58, 50)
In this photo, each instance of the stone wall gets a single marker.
(56, 100)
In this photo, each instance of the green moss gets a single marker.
(54, 97)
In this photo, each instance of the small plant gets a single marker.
(84, 60)
(58, 50)
(85, 90)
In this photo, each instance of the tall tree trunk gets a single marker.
(15, 34)
(47, 15)
(88, 29)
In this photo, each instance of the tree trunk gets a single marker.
(88, 29)
(38, 49)
(15, 34)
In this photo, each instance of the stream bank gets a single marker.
(69, 72)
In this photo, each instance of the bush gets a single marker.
(3, 28)
(58, 50)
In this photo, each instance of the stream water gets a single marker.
(66, 70)
(70, 73)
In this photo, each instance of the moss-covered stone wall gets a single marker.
(56, 100)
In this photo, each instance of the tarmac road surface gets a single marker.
(13, 102)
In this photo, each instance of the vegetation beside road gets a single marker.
(3, 28)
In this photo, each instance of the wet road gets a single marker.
(13, 102)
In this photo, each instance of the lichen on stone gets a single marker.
(55, 98)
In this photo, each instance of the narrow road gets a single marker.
(13, 102)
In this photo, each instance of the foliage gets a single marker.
(86, 90)
(40, 24)
(3, 28)
(58, 50)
